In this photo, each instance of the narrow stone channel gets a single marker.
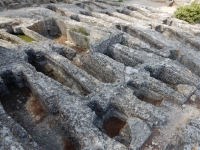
(22, 106)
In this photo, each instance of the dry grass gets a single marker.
(35, 109)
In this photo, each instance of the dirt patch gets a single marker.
(113, 126)
(78, 49)
(60, 39)
(68, 145)
(150, 143)
(50, 123)
(178, 117)
(195, 103)
(35, 109)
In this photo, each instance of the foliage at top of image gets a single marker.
(80, 30)
(189, 13)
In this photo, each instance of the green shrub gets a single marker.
(189, 13)
(125, 43)
(80, 30)
(85, 39)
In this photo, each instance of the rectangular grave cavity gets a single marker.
(24, 37)
(37, 31)
(27, 110)
(90, 6)
(112, 126)
(47, 28)
(56, 72)
(100, 66)
(178, 37)
(69, 32)
(17, 36)
(124, 130)
(109, 122)
(141, 35)
(145, 94)
(82, 35)
(14, 38)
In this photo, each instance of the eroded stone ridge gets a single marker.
(67, 69)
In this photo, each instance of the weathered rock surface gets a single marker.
(189, 136)
(186, 90)
(89, 61)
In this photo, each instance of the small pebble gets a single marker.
(193, 97)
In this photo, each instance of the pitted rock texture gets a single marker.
(89, 61)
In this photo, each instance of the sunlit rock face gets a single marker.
(90, 75)
(184, 2)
